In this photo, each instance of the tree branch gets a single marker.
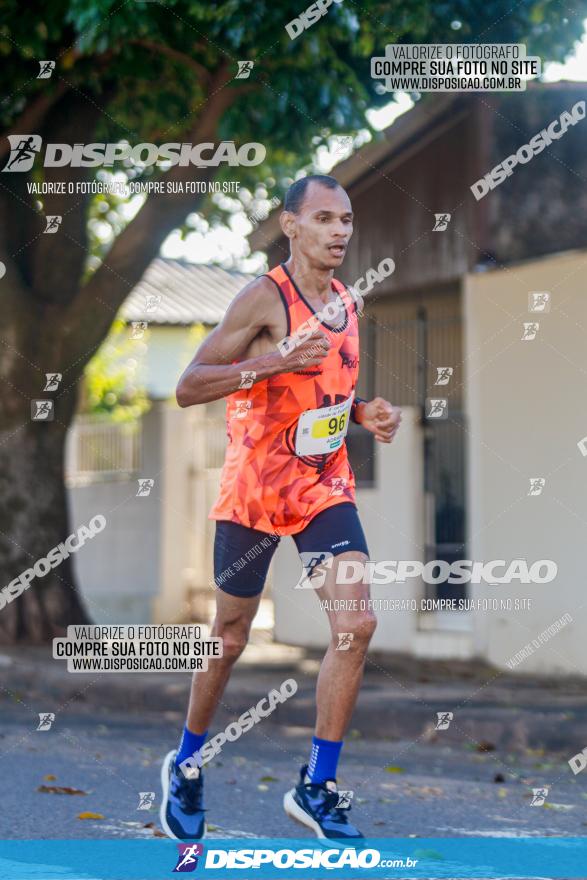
(33, 115)
(199, 69)
(57, 281)
(90, 315)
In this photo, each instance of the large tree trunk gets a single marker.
(34, 519)
(52, 322)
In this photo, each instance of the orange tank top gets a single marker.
(287, 459)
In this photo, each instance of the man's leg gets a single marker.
(313, 801)
(241, 560)
(232, 624)
(240, 577)
(341, 671)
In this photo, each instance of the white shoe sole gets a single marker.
(295, 812)
(169, 757)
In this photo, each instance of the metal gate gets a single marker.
(411, 340)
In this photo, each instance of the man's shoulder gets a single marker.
(259, 291)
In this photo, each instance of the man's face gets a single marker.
(322, 228)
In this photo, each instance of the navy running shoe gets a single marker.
(182, 805)
(316, 805)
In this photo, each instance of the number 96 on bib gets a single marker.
(323, 430)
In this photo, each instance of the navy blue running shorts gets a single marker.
(242, 555)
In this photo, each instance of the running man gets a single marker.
(286, 472)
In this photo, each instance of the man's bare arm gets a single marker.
(211, 374)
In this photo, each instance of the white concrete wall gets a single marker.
(192, 447)
(118, 572)
(169, 350)
(526, 414)
(392, 517)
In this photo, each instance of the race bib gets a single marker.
(323, 430)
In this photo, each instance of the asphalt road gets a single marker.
(401, 788)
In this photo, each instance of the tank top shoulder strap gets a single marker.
(343, 292)
(280, 278)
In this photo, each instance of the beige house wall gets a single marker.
(526, 405)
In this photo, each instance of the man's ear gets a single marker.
(287, 221)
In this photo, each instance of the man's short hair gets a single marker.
(295, 195)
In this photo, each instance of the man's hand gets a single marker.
(309, 353)
(381, 418)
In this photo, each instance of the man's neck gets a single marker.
(311, 281)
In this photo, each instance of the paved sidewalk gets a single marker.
(399, 699)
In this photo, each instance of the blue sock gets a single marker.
(189, 745)
(324, 759)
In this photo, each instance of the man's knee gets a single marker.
(235, 636)
(361, 625)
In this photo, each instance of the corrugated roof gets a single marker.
(190, 293)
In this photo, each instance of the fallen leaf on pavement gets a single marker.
(49, 777)
(425, 790)
(485, 746)
(59, 789)
(268, 779)
(393, 769)
(156, 831)
(91, 816)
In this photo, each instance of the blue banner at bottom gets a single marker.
(525, 858)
